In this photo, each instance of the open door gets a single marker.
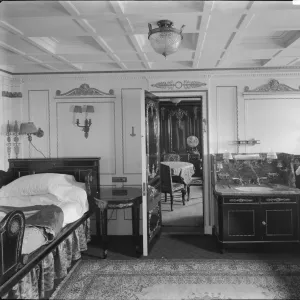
(150, 171)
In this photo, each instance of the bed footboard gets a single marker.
(11, 238)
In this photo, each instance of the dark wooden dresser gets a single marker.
(256, 216)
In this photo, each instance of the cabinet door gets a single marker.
(279, 220)
(241, 219)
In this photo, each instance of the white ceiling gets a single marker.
(84, 36)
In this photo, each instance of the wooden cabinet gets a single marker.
(256, 219)
(195, 159)
(279, 218)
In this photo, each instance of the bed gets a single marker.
(45, 205)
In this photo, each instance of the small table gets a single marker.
(119, 198)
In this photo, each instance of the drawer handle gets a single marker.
(264, 223)
(278, 200)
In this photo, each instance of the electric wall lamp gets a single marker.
(87, 122)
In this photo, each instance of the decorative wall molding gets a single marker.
(12, 94)
(177, 85)
(158, 76)
(84, 90)
(272, 86)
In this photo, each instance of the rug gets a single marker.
(164, 279)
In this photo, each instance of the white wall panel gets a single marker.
(101, 140)
(131, 99)
(39, 114)
(226, 118)
(275, 122)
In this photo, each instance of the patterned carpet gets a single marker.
(181, 280)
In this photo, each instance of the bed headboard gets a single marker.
(84, 169)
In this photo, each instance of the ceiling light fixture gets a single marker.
(175, 100)
(165, 39)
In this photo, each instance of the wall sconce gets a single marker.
(30, 129)
(87, 122)
(13, 130)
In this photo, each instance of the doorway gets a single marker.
(181, 139)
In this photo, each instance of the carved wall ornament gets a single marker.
(152, 105)
(179, 114)
(196, 110)
(84, 90)
(162, 110)
(11, 94)
(272, 86)
(177, 85)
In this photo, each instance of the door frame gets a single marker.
(208, 207)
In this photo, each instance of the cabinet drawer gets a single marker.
(240, 200)
(283, 199)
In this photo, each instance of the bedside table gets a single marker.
(119, 198)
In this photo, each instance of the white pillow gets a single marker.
(36, 184)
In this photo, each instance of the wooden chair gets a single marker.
(171, 157)
(170, 187)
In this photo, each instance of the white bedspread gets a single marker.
(46, 189)
(73, 210)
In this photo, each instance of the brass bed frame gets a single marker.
(13, 265)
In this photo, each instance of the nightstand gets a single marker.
(119, 198)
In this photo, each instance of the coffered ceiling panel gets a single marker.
(83, 36)
(158, 7)
(31, 9)
(94, 8)
(79, 58)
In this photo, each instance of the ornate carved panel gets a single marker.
(152, 140)
(12, 94)
(84, 90)
(272, 86)
(178, 85)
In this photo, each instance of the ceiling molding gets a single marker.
(147, 77)
(110, 36)
(16, 31)
(205, 20)
(292, 41)
(237, 33)
(84, 24)
(117, 6)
